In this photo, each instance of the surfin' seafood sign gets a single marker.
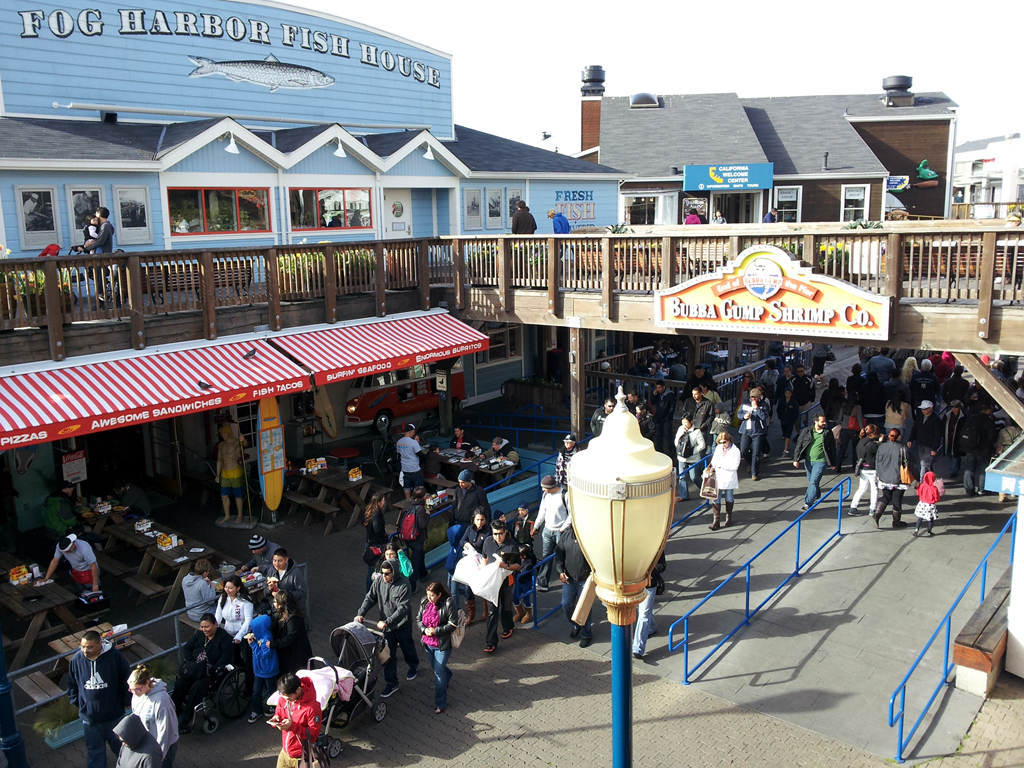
(767, 290)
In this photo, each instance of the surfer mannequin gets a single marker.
(230, 473)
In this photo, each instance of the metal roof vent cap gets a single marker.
(644, 101)
(897, 91)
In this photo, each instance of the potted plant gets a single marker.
(300, 274)
(59, 723)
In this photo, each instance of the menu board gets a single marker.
(271, 450)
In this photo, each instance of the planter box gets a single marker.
(521, 393)
(65, 734)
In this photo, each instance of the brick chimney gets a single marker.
(592, 90)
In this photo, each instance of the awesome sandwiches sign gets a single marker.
(766, 290)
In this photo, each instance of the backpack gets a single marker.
(970, 437)
(408, 531)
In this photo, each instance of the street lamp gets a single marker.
(621, 495)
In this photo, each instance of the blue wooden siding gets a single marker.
(443, 226)
(213, 159)
(323, 161)
(422, 213)
(155, 70)
(415, 164)
(10, 179)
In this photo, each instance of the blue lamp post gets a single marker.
(12, 745)
(621, 494)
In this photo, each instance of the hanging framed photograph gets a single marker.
(38, 218)
(133, 223)
(495, 214)
(514, 195)
(473, 218)
(83, 201)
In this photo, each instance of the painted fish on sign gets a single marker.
(269, 72)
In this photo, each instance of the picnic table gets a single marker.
(138, 648)
(334, 491)
(155, 560)
(34, 605)
(455, 460)
(99, 520)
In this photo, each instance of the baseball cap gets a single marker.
(67, 542)
(410, 427)
(926, 404)
(570, 438)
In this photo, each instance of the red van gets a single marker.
(384, 397)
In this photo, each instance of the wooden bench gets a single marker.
(145, 586)
(38, 687)
(979, 651)
(109, 565)
(313, 504)
(441, 482)
(160, 279)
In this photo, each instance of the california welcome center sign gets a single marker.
(767, 290)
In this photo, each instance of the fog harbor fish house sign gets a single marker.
(767, 290)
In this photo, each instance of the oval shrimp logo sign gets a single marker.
(762, 278)
(70, 429)
(236, 398)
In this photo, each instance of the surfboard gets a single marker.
(325, 411)
(271, 483)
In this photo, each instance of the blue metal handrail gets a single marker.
(842, 490)
(537, 618)
(896, 718)
(700, 507)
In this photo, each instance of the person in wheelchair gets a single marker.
(206, 654)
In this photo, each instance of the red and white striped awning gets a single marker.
(72, 400)
(347, 352)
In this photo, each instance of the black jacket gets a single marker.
(465, 503)
(376, 532)
(955, 388)
(292, 644)
(867, 448)
(98, 687)
(987, 430)
(569, 557)
(803, 445)
(700, 414)
(448, 618)
(952, 426)
(926, 431)
(523, 222)
(803, 389)
(220, 651)
(664, 406)
(924, 385)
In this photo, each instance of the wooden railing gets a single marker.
(987, 210)
(967, 262)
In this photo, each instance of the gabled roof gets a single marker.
(698, 129)
(386, 144)
(867, 105)
(178, 133)
(289, 139)
(26, 138)
(796, 131)
(974, 146)
(487, 153)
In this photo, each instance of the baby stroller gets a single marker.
(333, 687)
(357, 648)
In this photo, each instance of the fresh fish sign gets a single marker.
(268, 72)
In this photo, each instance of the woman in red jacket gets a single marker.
(298, 716)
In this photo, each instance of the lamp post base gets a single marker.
(622, 696)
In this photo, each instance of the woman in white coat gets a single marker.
(726, 463)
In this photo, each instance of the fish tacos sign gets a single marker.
(766, 290)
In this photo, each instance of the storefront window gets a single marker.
(330, 209)
(787, 201)
(641, 210)
(216, 211)
(855, 203)
(506, 342)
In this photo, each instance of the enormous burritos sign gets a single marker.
(767, 290)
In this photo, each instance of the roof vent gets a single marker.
(644, 101)
(897, 91)
(593, 81)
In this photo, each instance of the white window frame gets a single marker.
(518, 328)
(799, 200)
(867, 201)
(32, 240)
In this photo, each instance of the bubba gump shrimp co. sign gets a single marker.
(766, 290)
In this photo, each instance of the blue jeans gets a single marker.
(725, 494)
(442, 675)
(401, 637)
(685, 476)
(169, 760)
(974, 473)
(571, 592)
(262, 687)
(645, 623)
(98, 736)
(523, 594)
(753, 444)
(549, 539)
(814, 469)
(954, 465)
(458, 589)
(411, 479)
